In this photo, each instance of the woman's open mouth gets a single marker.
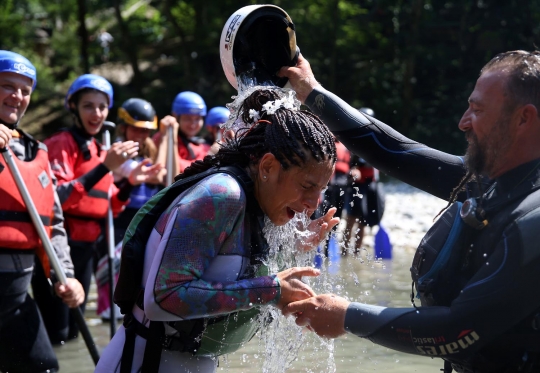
(290, 213)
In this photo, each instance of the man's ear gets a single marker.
(528, 115)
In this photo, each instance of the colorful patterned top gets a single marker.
(199, 258)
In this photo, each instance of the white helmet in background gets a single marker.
(255, 43)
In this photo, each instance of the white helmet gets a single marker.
(255, 43)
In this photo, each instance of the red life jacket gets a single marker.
(343, 158)
(188, 151)
(82, 219)
(369, 174)
(18, 231)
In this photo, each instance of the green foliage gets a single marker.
(414, 62)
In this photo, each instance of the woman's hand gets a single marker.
(292, 287)
(317, 231)
(119, 153)
(146, 172)
(166, 122)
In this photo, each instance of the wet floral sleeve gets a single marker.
(207, 221)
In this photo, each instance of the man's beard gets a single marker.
(475, 158)
(482, 158)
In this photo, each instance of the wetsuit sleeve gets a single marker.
(206, 226)
(498, 297)
(433, 171)
(63, 153)
(58, 235)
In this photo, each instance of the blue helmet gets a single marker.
(11, 62)
(188, 103)
(217, 115)
(90, 81)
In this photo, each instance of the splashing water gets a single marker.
(251, 78)
(235, 122)
(281, 339)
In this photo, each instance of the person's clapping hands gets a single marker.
(119, 153)
(146, 172)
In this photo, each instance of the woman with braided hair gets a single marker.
(205, 274)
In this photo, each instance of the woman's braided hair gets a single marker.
(290, 135)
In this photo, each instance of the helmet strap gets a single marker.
(78, 121)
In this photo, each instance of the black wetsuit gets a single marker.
(491, 326)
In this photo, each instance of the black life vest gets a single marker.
(442, 263)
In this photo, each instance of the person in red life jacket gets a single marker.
(365, 199)
(136, 118)
(334, 195)
(187, 120)
(84, 176)
(24, 345)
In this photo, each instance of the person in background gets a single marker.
(334, 195)
(476, 271)
(365, 198)
(216, 117)
(187, 119)
(105, 39)
(24, 345)
(85, 182)
(136, 119)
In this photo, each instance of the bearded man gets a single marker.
(477, 270)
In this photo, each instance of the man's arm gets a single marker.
(431, 170)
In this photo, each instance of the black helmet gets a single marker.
(255, 43)
(138, 113)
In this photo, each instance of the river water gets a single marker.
(409, 213)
